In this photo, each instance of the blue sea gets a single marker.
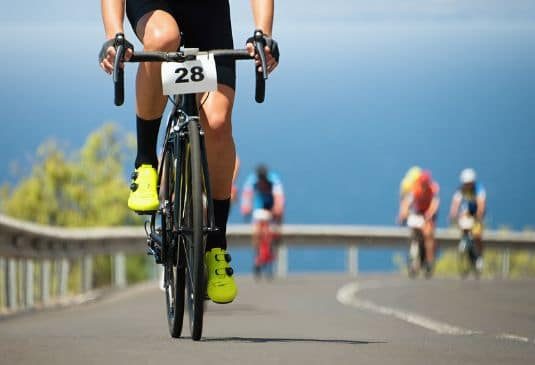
(364, 91)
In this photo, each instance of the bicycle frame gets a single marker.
(185, 111)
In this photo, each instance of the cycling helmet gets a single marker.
(262, 172)
(425, 178)
(408, 180)
(468, 176)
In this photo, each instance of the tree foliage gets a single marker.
(85, 188)
(82, 189)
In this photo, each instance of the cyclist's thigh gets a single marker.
(429, 229)
(154, 21)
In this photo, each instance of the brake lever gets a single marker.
(259, 45)
(118, 72)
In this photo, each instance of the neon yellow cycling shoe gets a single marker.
(143, 195)
(221, 287)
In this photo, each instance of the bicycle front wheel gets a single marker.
(192, 237)
(173, 260)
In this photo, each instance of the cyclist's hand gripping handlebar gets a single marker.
(261, 76)
(118, 72)
(121, 45)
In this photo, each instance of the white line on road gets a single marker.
(509, 336)
(346, 295)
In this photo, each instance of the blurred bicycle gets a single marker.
(416, 256)
(468, 254)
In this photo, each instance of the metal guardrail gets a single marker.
(24, 245)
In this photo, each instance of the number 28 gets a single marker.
(196, 74)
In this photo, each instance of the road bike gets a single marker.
(416, 256)
(466, 251)
(176, 232)
(264, 251)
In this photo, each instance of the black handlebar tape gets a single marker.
(118, 76)
(260, 91)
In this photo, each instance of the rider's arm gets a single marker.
(113, 17)
(234, 190)
(404, 208)
(278, 203)
(481, 206)
(455, 202)
(247, 195)
(433, 208)
(263, 11)
(263, 15)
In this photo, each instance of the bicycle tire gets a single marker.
(194, 239)
(174, 268)
(463, 261)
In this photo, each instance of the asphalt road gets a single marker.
(299, 320)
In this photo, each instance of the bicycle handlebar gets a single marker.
(181, 56)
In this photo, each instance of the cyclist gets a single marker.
(263, 192)
(159, 25)
(471, 199)
(423, 199)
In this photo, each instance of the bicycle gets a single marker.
(176, 232)
(467, 253)
(416, 256)
(264, 251)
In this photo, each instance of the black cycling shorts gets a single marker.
(205, 24)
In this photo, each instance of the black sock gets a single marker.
(147, 137)
(219, 238)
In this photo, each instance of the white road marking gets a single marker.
(509, 336)
(346, 296)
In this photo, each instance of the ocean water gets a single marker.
(361, 94)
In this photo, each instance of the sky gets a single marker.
(365, 89)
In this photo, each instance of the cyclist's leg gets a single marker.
(477, 235)
(206, 25)
(157, 29)
(429, 240)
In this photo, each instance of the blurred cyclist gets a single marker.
(471, 199)
(423, 200)
(263, 197)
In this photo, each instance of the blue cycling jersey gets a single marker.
(263, 192)
(468, 198)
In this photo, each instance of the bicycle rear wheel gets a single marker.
(192, 238)
(173, 254)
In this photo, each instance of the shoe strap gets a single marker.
(225, 271)
(223, 257)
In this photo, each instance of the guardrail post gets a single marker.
(2, 283)
(87, 274)
(63, 277)
(282, 261)
(506, 262)
(119, 270)
(353, 260)
(11, 284)
(45, 282)
(28, 283)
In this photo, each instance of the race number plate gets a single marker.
(189, 77)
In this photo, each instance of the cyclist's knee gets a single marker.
(161, 33)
